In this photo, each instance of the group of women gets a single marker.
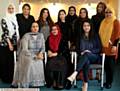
(31, 39)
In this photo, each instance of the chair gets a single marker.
(92, 66)
(15, 66)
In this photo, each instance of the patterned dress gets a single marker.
(30, 71)
(7, 58)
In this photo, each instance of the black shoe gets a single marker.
(57, 88)
(34, 86)
(68, 85)
(12, 86)
(107, 86)
(48, 86)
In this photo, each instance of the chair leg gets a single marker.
(102, 77)
(75, 66)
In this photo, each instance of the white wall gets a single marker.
(4, 4)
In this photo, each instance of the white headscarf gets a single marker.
(10, 20)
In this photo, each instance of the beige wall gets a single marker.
(37, 6)
(116, 5)
(5, 3)
(54, 9)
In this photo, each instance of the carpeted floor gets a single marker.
(93, 85)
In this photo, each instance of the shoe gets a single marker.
(107, 86)
(48, 86)
(68, 84)
(12, 86)
(55, 87)
(34, 86)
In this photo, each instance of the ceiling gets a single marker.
(63, 1)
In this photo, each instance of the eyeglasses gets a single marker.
(108, 12)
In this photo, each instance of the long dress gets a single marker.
(56, 67)
(9, 31)
(30, 71)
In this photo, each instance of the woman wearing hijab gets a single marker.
(70, 19)
(109, 33)
(57, 49)
(30, 72)
(8, 43)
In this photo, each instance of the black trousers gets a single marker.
(109, 67)
(6, 64)
(84, 62)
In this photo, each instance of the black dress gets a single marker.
(24, 24)
(56, 67)
(65, 30)
(70, 20)
(96, 20)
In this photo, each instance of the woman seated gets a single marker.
(29, 72)
(88, 52)
(57, 49)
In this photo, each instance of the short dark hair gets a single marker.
(26, 5)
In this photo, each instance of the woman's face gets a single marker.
(62, 15)
(35, 27)
(10, 9)
(45, 14)
(54, 30)
(100, 8)
(108, 13)
(72, 11)
(83, 14)
(86, 27)
(26, 10)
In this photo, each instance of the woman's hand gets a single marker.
(51, 54)
(40, 56)
(10, 45)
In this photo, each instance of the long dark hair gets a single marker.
(62, 10)
(85, 11)
(49, 19)
(104, 7)
(91, 33)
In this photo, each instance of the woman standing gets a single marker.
(88, 52)
(30, 70)
(8, 43)
(109, 33)
(100, 15)
(57, 49)
(66, 34)
(64, 26)
(45, 22)
(72, 16)
(96, 20)
(25, 20)
(83, 15)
